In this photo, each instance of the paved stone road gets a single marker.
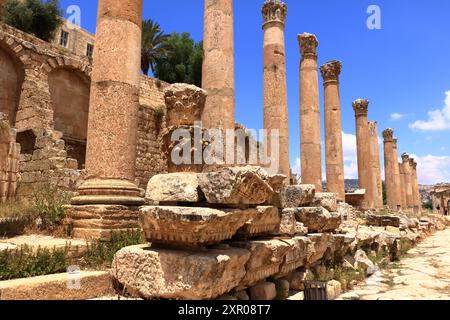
(424, 274)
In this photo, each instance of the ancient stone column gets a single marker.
(407, 181)
(398, 177)
(375, 165)
(275, 93)
(114, 102)
(403, 184)
(218, 65)
(391, 169)
(415, 186)
(310, 142)
(360, 107)
(334, 154)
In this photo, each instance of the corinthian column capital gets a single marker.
(331, 71)
(308, 45)
(388, 134)
(360, 106)
(274, 11)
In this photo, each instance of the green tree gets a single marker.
(184, 63)
(154, 45)
(40, 18)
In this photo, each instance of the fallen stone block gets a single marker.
(297, 280)
(362, 261)
(317, 247)
(234, 186)
(288, 224)
(266, 257)
(296, 296)
(334, 289)
(300, 229)
(326, 200)
(297, 196)
(64, 286)
(174, 187)
(296, 256)
(282, 287)
(151, 273)
(191, 226)
(383, 221)
(318, 219)
(265, 222)
(263, 292)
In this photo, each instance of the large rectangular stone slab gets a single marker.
(191, 226)
(151, 273)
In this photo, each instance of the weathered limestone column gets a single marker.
(360, 107)
(408, 182)
(403, 184)
(114, 102)
(415, 186)
(310, 143)
(375, 165)
(399, 176)
(391, 169)
(334, 154)
(218, 65)
(275, 88)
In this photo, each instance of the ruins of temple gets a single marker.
(106, 133)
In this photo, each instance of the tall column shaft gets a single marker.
(218, 65)
(398, 175)
(114, 102)
(375, 166)
(415, 186)
(334, 154)
(275, 87)
(403, 186)
(310, 142)
(391, 169)
(408, 181)
(363, 150)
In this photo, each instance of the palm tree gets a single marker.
(154, 45)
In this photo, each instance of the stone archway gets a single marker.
(69, 91)
(11, 79)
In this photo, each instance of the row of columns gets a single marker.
(114, 102)
(402, 186)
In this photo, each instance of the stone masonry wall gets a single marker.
(45, 160)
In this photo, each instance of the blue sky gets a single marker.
(403, 69)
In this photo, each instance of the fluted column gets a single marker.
(360, 107)
(334, 155)
(114, 102)
(310, 142)
(391, 169)
(375, 165)
(275, 88)
(408, 182)
(218, 65)
(398, 176)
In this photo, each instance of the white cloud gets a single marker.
(397, 116)
(437, 119)
(433, 169)
(350, 156)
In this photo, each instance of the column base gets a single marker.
(108, 192)
(98, 222)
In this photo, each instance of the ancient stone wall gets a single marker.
(45, 92)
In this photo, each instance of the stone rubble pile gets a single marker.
(226, 231)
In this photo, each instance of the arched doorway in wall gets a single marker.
(69, 90)
(11, 79)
